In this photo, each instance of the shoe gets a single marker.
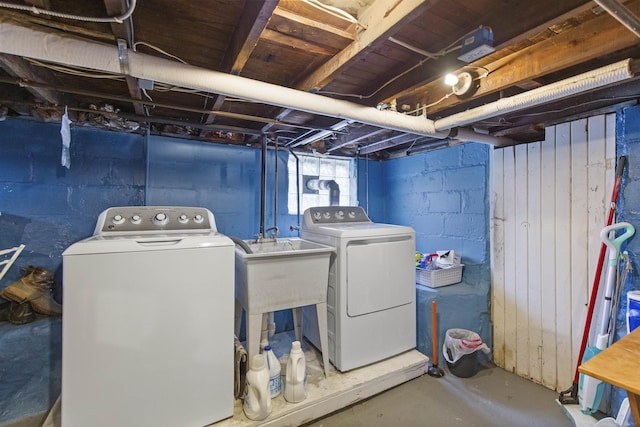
(36, 288)
(16, 313)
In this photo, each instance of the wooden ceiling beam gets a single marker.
(20, 68)
(252, 24)
(294, 42)
(381, 20)
(321, 29)
(597, 37)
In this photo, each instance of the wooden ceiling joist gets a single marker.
(244, 40)
(379, 20)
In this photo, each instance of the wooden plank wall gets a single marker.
(549, 202)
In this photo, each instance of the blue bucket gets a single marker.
(633, 310)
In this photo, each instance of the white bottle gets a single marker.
(257, 400)
(295, 387)
(275, 381)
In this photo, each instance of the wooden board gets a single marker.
(618, 366)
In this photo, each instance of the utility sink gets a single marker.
(277, 275)
(280, 274)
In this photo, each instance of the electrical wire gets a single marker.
(424, 107)
(36, 11)
(157, 49)
(338, 13)
(76, 71)
(443, 52)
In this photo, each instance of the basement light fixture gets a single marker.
(463, 84)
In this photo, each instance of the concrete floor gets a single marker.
(491, 398)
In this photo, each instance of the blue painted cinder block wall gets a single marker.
(444, 196)
(224, 179)
(48, 207)
(628, 209)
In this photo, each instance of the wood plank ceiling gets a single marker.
(374, 53)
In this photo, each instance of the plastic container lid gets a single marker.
(295, 345)
(267, 348)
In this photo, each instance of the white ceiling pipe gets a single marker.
(585, 82)
(21, 41)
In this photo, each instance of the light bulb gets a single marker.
(451, 79)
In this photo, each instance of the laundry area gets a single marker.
(319, 212)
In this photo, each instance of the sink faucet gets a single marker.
(262, 237)
(275, 230)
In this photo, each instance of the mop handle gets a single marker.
(614, 256)
(434, 333)
(615, 243)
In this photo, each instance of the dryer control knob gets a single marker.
(117, 219)
(160, 218)
(198, 218)
(183, 219)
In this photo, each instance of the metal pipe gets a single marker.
(38, 44)
(618, 11)
(297, 227)
(275, 190)
(263, 184)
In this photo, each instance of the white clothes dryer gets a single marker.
(371, 311)
(148, 321)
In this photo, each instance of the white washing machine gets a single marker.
(371, 311)
(147, 322)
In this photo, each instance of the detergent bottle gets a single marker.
(257, 399)
(275, 382)
(295, 387)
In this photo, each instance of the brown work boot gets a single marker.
(16, 313)
(36, 288)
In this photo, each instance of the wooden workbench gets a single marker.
(619, 365)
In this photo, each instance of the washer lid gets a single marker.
(148, 243)
(358, 230)
(347, 221)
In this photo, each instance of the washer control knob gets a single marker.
(183, 219)
(117, 219)
(160, 218)
(340, 214)
(136, 219)
(198, 218)
(317, 215)
(327, 215)
(352, 214)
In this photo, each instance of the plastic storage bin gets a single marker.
(439, 277)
